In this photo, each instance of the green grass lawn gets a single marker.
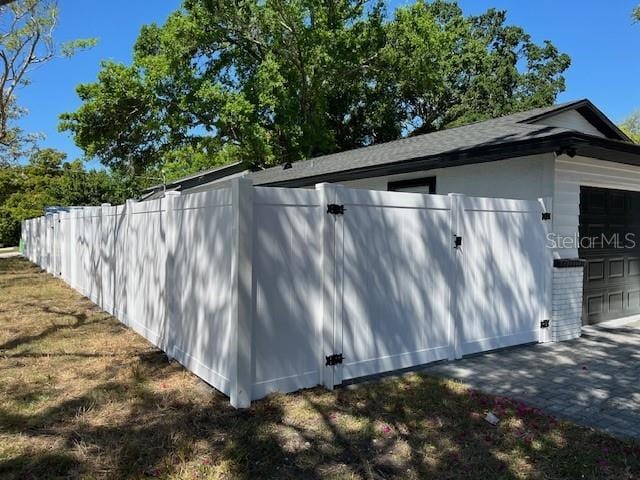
(85, 397)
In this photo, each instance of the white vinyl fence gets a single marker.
(259, 289)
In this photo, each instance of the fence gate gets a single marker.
(420, 278)
(394, 269)
(504, 263)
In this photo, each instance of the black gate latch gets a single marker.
(544, 324)
(334, 359)
(335, 209)
(457, 242)
(546, 215)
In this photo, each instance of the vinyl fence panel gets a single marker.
(198, 284)
(143, 274)
(257, 290)
(287, 276)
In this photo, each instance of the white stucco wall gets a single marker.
(524, 178)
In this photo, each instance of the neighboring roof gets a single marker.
(517, 134)
(190, 181)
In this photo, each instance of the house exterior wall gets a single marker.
(523, 178)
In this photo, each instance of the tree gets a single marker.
(46, 180)
(636, 14)
(26, 41)
(278, 81)
(631, 126)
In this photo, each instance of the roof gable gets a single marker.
(581, 116)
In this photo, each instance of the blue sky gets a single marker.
(603, 44)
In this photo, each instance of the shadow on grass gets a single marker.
(413, 427)
(80, 319)
(136, 424)
(56, 465)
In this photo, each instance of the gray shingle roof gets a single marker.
(496, 131)
(519, 133)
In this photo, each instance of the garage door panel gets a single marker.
(634, 267)
(616, 268)
(595, 202)
(633, 299)
(616, 301)
(595, 269)
(616, 203)
(612, 270)
(594, 303)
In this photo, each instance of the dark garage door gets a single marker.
(612, 271)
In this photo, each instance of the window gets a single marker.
(414, 185)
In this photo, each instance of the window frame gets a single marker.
(399, 185)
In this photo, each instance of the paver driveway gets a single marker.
(593, 381)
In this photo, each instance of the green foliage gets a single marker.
(636, 14)
(26, 41)
(47, 180)
(631, 126)
(278, 81)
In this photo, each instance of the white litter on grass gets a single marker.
(491, 418)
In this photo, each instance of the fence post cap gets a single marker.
(325, 185)
(244, 179)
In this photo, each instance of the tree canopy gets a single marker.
(26, 41)
(47, 179)
(631, 126)
(279, 81)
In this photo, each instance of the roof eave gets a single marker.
(587, 145)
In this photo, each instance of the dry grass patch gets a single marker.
(84, 397)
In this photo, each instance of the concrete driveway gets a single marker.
(593, 381)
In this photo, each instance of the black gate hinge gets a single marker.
(335, 209)
(334, 359)
(544, 324)
(457, 242)
(546, 215)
